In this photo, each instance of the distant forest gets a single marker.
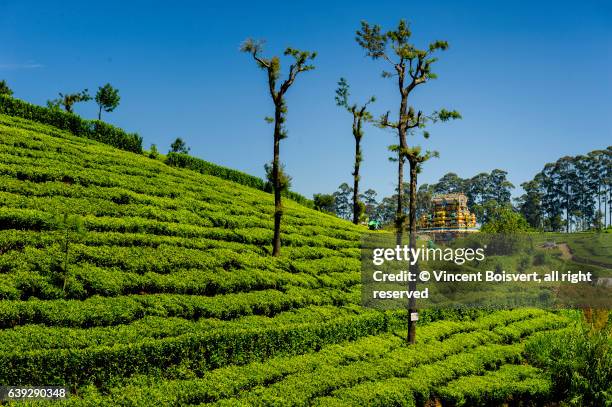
(571, 194)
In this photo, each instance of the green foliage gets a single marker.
(107, 99)
(335, 369)
(505, 220)
(273, 66)
(516, 383)
(284, 178)
(208, 349)
(70, 230)
(91, 129)
(172, 299)
(179, 146)
(153, 152)
(579, 363)
(570, 193)
(324, 202)
(205, 167)
(4, 89)
(67, 101)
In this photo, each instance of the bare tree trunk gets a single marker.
(401, 131)
(411, 338)
(278, 205)
(399, 218)
(100, 113)
(599, 213)
(356, 208)
(609, 208)
(567, 209)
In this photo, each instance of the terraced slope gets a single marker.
(168, 294)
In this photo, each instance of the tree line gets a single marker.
(485, 192)
(107, 98)
(571, 194)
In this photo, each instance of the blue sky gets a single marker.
(532, 79)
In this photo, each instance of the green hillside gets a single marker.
(169, 295)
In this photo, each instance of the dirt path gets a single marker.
(566, 253)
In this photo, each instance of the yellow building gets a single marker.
(448, 212)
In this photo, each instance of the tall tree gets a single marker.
(424, 196)
(530, 203)
(369, 200)
(272, 66)
(574, 188)
(450, 183)
(4, 88)
(68, 100)
(564, 177)
(342, 201)
(412, 67)
(385, 210)
(360, 115)
(499, 187)
(107, 99)
(607, 181)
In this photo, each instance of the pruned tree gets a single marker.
(67, 101)
(107, 99)
(4, 89)
(360, 115)
(411, 68)
(272, 66)
(179, 146)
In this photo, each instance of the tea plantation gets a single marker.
(137, 283)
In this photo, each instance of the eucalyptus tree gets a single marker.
(342, 201)
(360, 115)
(530, 203)
(369, 200)
(272, 67)
(596, 169)
(574, 188)
(499, 187)
(607, 181)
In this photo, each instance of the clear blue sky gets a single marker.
(533, 79)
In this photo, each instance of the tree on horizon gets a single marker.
(272, 66)
(107, 99)
(4, 88)
(179, 146)
(68, 100)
